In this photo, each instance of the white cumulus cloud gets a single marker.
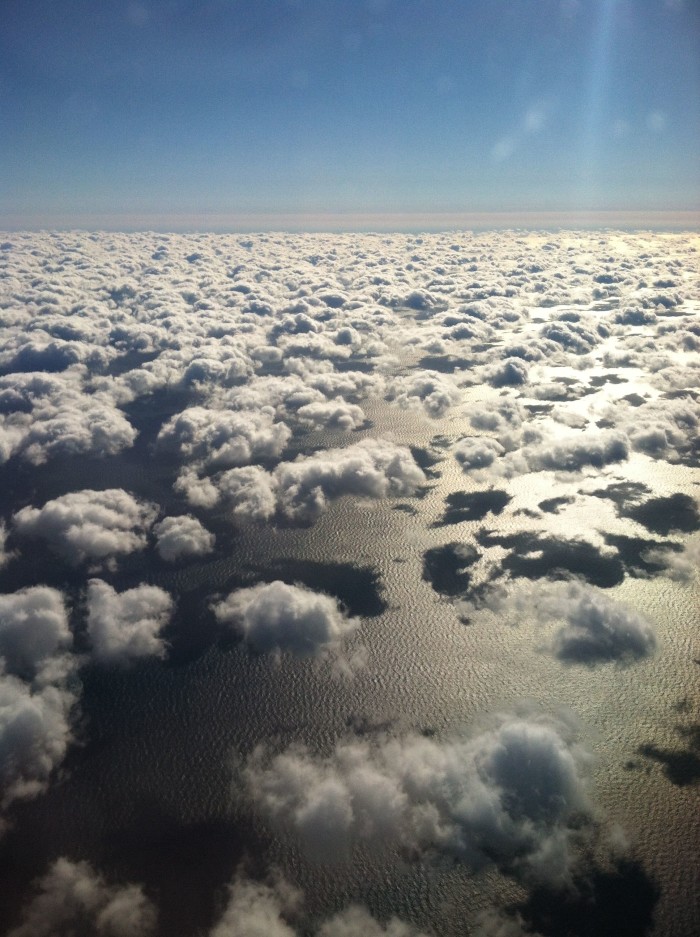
(182, 536)
(513, 794)
(33, 627)
(593, 627)
(89, 525)
(276, 616)
(126, 626)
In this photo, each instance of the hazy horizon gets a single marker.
(355, 222)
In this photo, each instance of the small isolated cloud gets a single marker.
(74, 899)
(595, 628)
(511, 794)
(276, 617)
(182, 536)
(126, 626)
(33, 628)
(89, 525)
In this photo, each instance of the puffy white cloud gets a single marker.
(35, 731)
(89, 427)
(199, 491)
(331, 414)
(71, 898)
(35, 353)
(250, 493)
(503, 416)
(595, 628)
(182, 536)
(571, 336)
(33, 627)
(279, 617)
(126, 626)
(220, 439)
(300, 490)
(509, 373)
(351, 385)
(42, 416)
(38, 694)
(374, 468)
(571, 453)
(665, 429)
(89, 525)
(434, 393)
(513, 794)
(477, 452)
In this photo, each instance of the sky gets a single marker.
(172, 108)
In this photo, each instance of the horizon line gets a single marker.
(348, 221)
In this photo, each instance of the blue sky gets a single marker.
(249, 106)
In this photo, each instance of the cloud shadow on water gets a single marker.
(472, 506)
(679, 512)
(445, 568)
(536, 555)
(358, 588)
(620, 902)
(185, 865)
(553, 505)
(681, 767)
